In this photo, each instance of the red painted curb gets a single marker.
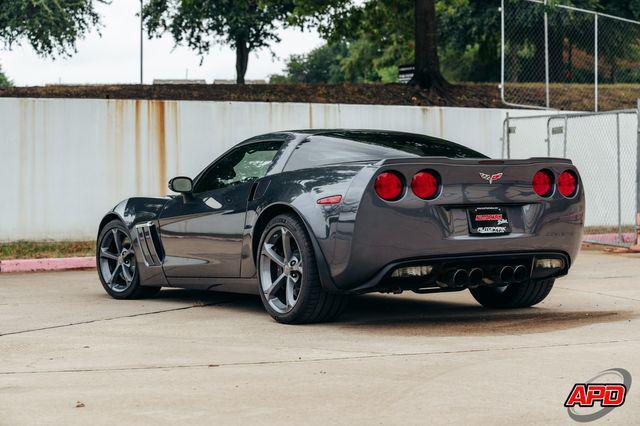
(52, 264)
(610, 238)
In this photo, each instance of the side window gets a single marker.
(243, 164)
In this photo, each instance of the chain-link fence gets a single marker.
(556, 55)
(604, 148)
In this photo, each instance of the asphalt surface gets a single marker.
(69, 354)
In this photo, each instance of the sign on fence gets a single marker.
(405, 73)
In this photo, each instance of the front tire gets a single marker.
(521, 295)
(289, 282)
(117, 265)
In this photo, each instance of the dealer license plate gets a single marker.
(488, 221)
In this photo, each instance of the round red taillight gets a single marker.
(388, 186)
(543, 183)
(425, 184)
(567, 183)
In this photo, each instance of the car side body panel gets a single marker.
(140, 211)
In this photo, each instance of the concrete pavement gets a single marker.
(71, 355)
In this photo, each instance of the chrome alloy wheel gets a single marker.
(281, 269)
(117, 260)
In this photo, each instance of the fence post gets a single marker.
(564, 141)
(507, 138)
(620, 237)
(637, 246)
(502, 47)
(595, 70)
(548, 139)
(546, 54)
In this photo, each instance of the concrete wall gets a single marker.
(65, 162)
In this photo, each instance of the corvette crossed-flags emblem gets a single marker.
(491, 178)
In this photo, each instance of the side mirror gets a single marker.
(181, 184)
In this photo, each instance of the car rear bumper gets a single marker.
(438, 272)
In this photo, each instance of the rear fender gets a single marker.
(299, 191)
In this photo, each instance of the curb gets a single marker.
(51, 264)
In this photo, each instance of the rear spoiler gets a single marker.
(473, 161)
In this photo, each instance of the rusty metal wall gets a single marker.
(65, 162)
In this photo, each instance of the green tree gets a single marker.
(570, 34)
(321, 65)
(400, 31)
(49, 26)
(469, 40)
(619, 41)
(340, 62)
(379, 36)
(4, 80)
(245, 25)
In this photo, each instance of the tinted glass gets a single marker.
(244, 164)
(336, 147)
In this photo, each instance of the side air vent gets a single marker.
(150, 245)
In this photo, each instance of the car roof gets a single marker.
(354, 134)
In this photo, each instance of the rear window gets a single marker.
(336, 147)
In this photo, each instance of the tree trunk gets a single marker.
(242, 59)
(427, 63)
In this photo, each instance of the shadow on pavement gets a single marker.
(388, 314)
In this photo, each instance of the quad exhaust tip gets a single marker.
(510, 274)
(506, 274)
(520, 273)
(476, 275)
(458, 278)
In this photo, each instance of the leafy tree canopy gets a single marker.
(4, 80)
(378, 35)
(245, 25)
(49, 26)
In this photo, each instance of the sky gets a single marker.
(115, 57)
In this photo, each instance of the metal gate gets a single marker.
(604, 148)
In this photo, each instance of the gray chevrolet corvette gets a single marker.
(307, 218)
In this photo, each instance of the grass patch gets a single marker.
(590, 230)
(45, 249)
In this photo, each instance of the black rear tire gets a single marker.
(313, 303)
(521, 295)
(134, 290)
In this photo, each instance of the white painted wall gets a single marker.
(65, 162)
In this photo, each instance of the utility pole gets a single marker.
(141, 42)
